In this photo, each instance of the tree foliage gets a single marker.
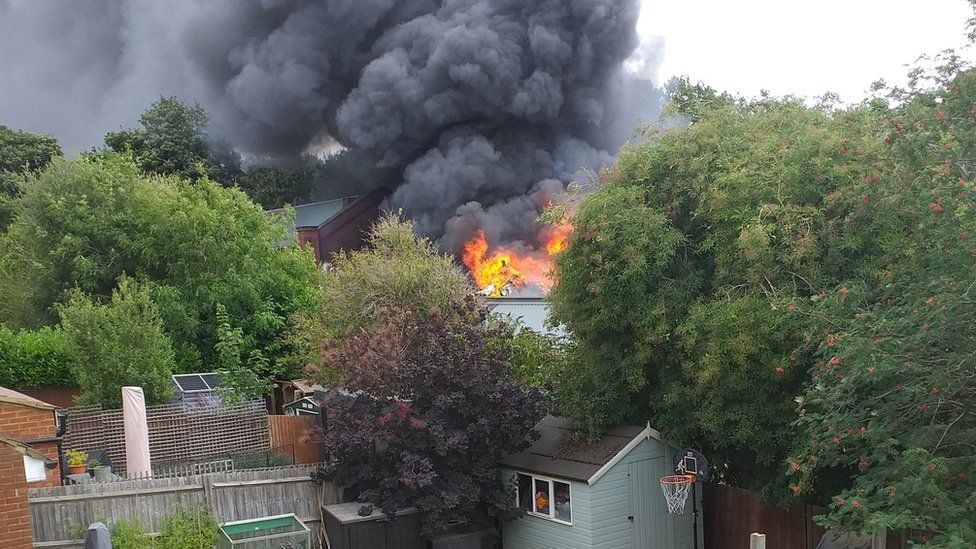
(433, 412)
(20, 153)
(396, 269)
(771, 252)
(173, 141)
(83, 224)
(118, 344)
(673, 274)
(274, 187)
(889, 406)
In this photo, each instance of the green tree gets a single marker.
(676, 279)
(83, 224)
(887, 412)
(20, 153)
(118, 344)
(273, 187)
(171, 141)
(396, 269)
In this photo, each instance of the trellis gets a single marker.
(178, 433)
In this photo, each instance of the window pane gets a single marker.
(542, 496)
(562, 503)
(524, 492)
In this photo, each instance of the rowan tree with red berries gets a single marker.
(889, 412)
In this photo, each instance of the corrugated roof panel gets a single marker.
(532, 312)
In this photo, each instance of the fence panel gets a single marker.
(60, 514)
(178, 433)
(731, 514)
(284, 431)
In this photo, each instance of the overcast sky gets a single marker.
(802, 48)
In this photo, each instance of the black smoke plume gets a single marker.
(470, 108)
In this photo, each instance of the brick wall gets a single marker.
(22, 423)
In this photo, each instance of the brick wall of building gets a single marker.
(22, 423)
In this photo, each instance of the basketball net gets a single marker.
(676, 488)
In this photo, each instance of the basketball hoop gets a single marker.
(675, 488)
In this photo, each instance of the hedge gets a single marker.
(34, 358)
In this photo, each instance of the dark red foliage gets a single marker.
(434, 410)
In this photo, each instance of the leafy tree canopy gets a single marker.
(396, 269)
(117, 344)
(677, 264)
(83, 224)
(887, 411)
(21, 152)
(173, 141)
(434, 410)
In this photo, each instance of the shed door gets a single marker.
(647, 504)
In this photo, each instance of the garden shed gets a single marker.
(600, 494)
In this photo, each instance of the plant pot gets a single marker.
(103, 472)
(77, 469)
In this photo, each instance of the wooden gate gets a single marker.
(295, 434)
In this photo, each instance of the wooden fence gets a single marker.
(294, 431)
(60, 514)
(730, 515)
(178, 433)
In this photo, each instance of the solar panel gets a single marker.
(190, 382)
(211, 379)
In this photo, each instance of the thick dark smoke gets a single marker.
(474, 107)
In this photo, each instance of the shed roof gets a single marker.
(532, 312)
(10, 396)
(561, 450)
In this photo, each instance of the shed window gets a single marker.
(545, 497)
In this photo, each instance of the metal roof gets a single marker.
(563, 452)
(532, 312)
(315, 214)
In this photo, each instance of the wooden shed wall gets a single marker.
(600, 511)
(531, 532)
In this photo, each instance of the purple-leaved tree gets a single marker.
(435, 407)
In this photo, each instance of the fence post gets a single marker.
(208, 497)
(757, 541)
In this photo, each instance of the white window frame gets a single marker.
(552, 498)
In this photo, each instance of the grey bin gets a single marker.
(277, 532)
(347, 530)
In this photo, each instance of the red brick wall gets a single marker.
(22, 423)
(62, 397)
(15, 525)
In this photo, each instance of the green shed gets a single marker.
(603, 494)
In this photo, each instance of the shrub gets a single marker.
(188, 529)
(33, 358)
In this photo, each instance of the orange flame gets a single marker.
(504, 265)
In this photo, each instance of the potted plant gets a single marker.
(101, 472)
(77, 461)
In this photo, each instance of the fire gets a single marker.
(505, 265)
(556, 240)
